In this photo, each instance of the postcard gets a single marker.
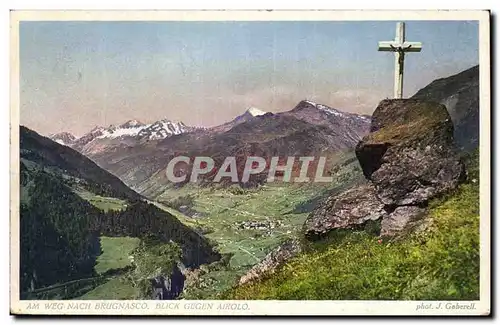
(264, 162)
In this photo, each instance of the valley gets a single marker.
(103, 213)
(243, 225)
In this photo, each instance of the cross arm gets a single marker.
(412, 46)
(387, 46)
(391, 46)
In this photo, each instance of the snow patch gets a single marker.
(329, 110)
(324, 108)
(333, 112)
(131, 123)
(255, 111)
(163, 129)
(120, 132)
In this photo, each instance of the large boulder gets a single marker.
(409, 157)
(409, 154)
(350, 209)
(412, 176)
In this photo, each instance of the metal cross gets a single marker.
(399, 46)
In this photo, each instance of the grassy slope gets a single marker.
(115, 256)
(115, 253)
(224, 211)
(441, 263)
(117, 288)
(103, 191)
(102, 202)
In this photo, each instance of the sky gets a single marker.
(78, 75)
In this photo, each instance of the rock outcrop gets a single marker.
(419, 161)
(273, 261)
(403, 217)
(168, 287)
(350, 209)
(408, 158)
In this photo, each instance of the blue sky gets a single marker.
(75, 75)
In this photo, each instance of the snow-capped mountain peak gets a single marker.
(64, 138)
(120, 131)
(162, 129)
(133, 128)
(324, 108)
(131, 124)
(255, 111)
(97, 129)
(248, 115)
(330, 111)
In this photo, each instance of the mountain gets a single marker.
(67, 202)
(154, 131)
(64, 138)
(45, 154)
(248, 115)
(162, 129)
(300, 132)
(347, 125)
(129, 133)
(460, 94)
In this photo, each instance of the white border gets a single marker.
(263, 307)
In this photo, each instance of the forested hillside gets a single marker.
(68, 203)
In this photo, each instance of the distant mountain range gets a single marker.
(131, 132)
(307, 129)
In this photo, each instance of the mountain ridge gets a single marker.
(265, 135)
(128, 133)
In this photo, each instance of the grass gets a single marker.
(115, 253)
(151, 259)
(118, 288)
(67, 290)
(417, 116)
(181, 217)
(115, 256)
(102, 202)
(440, 263)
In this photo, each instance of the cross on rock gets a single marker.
(399, 46)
